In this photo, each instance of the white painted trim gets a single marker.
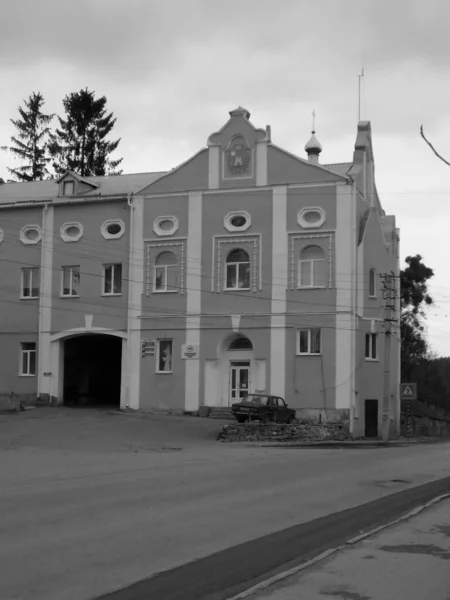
(261, 163)
(237, 213)
(102, 291)
(23, 234)
(2, 235)
(306, 224)
(112, 236)
(45, 300)
(86, 330)
(235, 238)
(132, 373)
(67, 238)
(194, 299)
(345, 241)
(165, 232)
(278, 292)
(150, 273)
(213, 167)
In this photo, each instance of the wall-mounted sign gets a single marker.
(147, 348)
(189, 351)
(47, 374)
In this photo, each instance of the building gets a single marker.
(245, 267)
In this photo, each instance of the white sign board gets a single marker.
(189, 351)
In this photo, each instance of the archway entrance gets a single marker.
(235, 373)
(92, 370)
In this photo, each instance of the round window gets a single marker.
(114, 228)
(73, 231)
(32, 234)
(238, 221)
(166, 225)
(312, 216)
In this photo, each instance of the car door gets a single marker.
(282, 411)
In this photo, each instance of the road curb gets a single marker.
(286, 574)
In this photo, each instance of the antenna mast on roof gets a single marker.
(359, 94)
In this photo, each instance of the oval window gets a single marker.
(32, 234)
(312, 216)
(114, 229)
(238, 221)
(73, 231)
(166, 225)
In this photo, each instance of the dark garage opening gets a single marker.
(92, 371)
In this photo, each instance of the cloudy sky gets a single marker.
(172, 69)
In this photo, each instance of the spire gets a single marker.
(313, 147)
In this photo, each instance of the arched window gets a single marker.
(372, 278)
(241, 343)
(166, 273)
(312, 267)
(237, 276)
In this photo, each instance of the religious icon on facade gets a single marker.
(238, 157)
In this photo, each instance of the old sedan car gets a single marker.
(262, 407)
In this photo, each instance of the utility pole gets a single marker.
(389, 307)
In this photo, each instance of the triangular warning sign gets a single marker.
(407, 391)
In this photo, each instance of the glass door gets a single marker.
(239, 381)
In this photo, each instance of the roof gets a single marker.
(340, 168)
(105, 186)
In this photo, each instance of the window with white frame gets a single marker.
(68, 188)
(308, 341)
(237, 273)
(70, 285)
(164, 356)
(28, 358)
(372, 279)
(371, 346)
(166, 273)
(312, 268)
(112, 279)
(30, 282)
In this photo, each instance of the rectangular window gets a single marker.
(313, 273)
(371, 346)
(70, 281)
(309, 341)
(164, 356)
(30, 282)
(112, 279)
(28, 358)
(372, 291)
(68, 188)
(238, 276)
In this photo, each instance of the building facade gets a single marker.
(244, 268)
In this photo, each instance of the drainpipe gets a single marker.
(129, 308)
(41, 300)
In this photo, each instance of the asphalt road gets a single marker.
(84, 516)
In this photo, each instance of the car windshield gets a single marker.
(256, 399)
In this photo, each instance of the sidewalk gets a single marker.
(410, 560)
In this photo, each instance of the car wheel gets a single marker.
(289, 420)
(266, 419)
(240, 419)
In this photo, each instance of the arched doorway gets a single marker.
(235, 372)
(92, 370)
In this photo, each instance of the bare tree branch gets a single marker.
(432, 147)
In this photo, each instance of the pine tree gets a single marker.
(80, 144)
(30, 145)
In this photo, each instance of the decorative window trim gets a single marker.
(218, 241)
(309, 330)
(150, 248)
(374, 271)
(2, 236)
(112, 236)
(293, 258)
(305, 224)
(165, 232)
(67, 238)
(237, 288)
(237, 213)
(25, 230)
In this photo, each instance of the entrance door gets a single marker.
(239, 380)
(371, 418)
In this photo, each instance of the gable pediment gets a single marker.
(71, 184)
